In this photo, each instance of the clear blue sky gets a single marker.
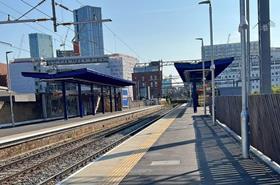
(154, 29)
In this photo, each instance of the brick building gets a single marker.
(3, 74)
(148, 79)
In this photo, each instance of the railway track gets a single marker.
(55, 163)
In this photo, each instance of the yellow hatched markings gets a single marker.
(121, 170)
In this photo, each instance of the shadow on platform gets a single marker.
(218, 157)
(220, 160)
(184, 178)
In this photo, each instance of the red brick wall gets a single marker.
(3, 74)
(155, 89)
(3, 69)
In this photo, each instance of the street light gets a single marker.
(203, 74)
(212, 67)
(6, 43)
(9, 88)
(243, 28)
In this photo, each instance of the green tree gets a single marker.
(276, 89)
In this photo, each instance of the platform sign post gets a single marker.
(125, 101)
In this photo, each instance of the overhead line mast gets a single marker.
(53, 18)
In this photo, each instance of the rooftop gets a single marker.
(84, 75)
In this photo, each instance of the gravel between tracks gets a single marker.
(50, 162)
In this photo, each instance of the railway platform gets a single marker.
(14, 134)
(180, 148)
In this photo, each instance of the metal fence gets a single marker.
(264, 120)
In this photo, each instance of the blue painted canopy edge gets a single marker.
(187, 73)
(83, 75)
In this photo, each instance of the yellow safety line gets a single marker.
(121, 170)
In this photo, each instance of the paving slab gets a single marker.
(207, 155)
(13, 133)
(181, 148)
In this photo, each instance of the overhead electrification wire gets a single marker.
(15, 10)
(64, 7)
(12, 46)
(123, 42)
(34, 7)
(34, 28)
(3, 13)
(61, 37)
(118, 37)
(22, 49)
(79, 2)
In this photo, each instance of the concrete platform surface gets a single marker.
(181, 148)
(20, 132)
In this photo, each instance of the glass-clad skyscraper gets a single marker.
(89, 35)
(40, 45)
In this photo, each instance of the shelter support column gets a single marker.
(102, 100)
(194, 97)
(115, 99)
(64, 101)
(92, 99)
(80, 100)
(111, 100)
(44, 106)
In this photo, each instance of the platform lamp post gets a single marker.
(212, 67)
(9, 89)
(203, 75)
(243, 28)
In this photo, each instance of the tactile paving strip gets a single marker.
(115, 165)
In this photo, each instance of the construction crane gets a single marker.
(228, 39)
(65, 38)
(20, 45)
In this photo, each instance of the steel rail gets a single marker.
(101, 135)
(61, 175)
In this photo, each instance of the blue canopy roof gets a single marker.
(188, 72)
(84, 75)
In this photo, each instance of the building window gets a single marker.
(155, 84)
(152, 85)
(143, 78)
(155, 77)
(151, 77)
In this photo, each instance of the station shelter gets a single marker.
(99, 87)
(192, 72)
